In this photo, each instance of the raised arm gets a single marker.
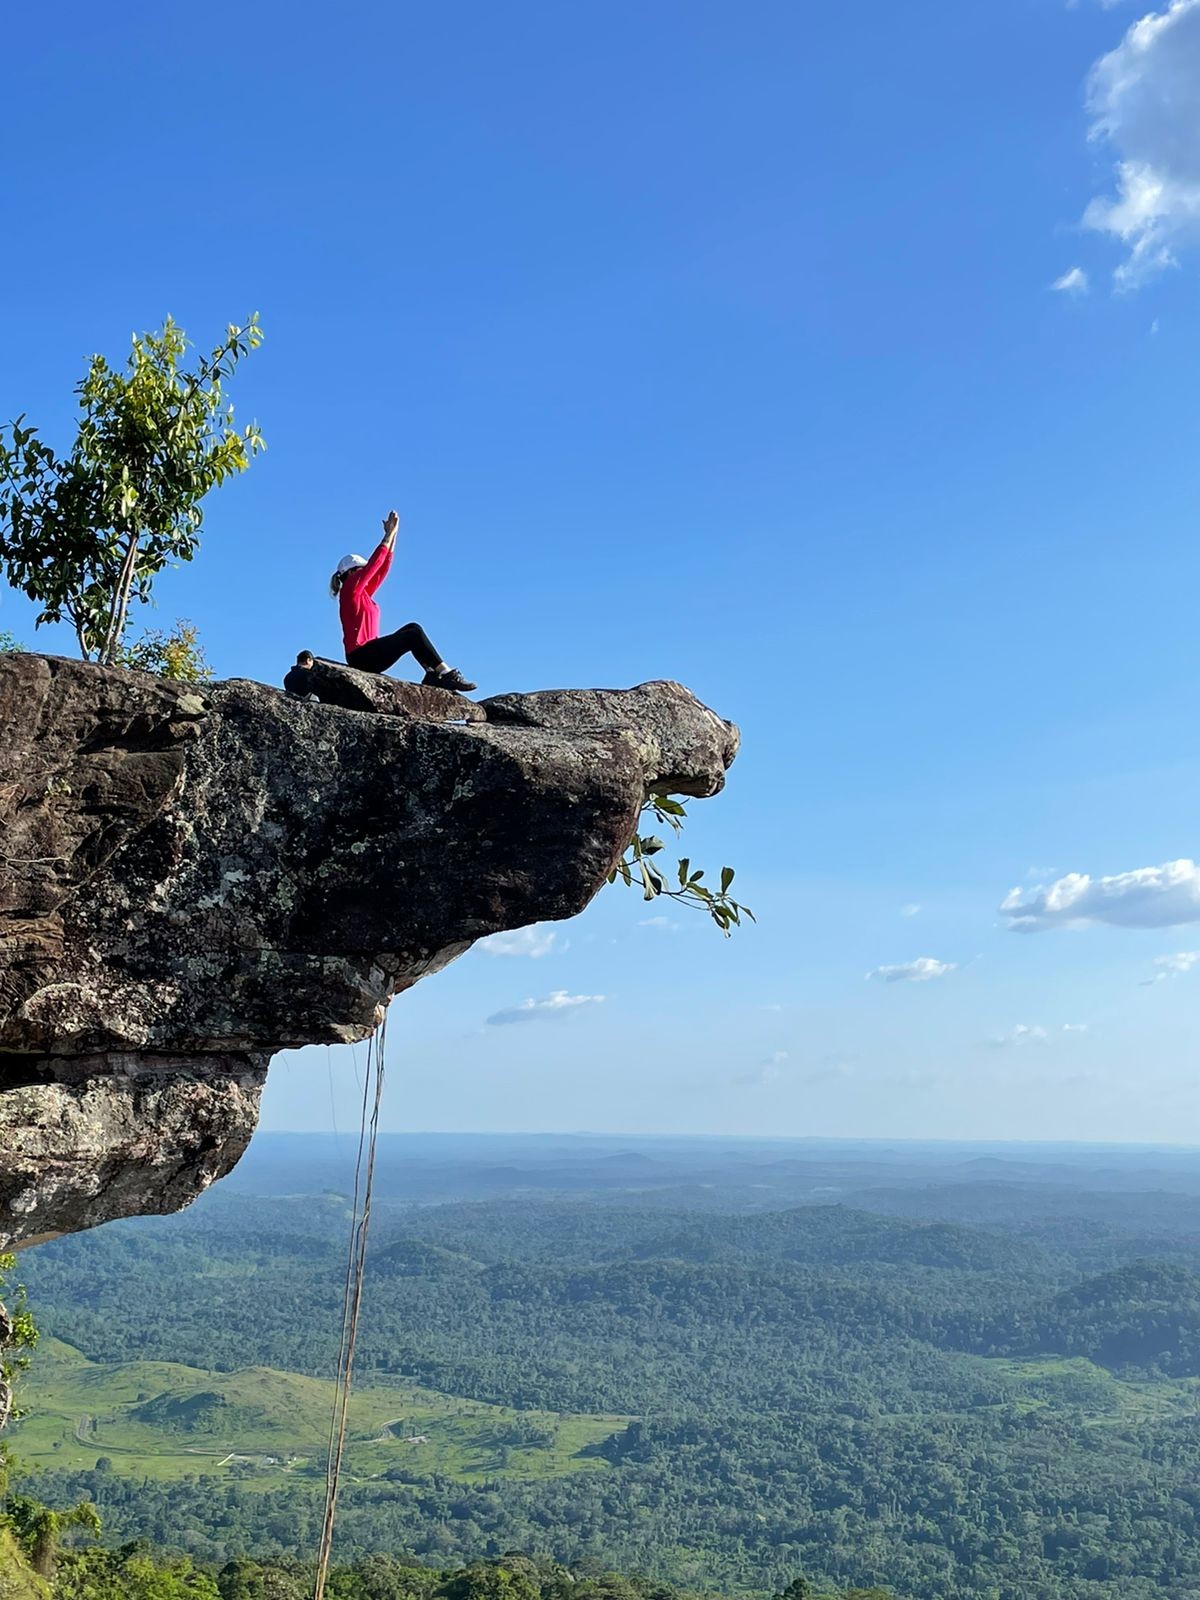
(376, 569)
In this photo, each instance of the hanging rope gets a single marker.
(356, 1259)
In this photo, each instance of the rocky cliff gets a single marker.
(194, 878)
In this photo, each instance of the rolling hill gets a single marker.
(162, 1419)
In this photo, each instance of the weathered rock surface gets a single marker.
(193, 878)
(685, 745)
(85, 1139)
(334, 684)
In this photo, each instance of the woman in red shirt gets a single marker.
(353, 585)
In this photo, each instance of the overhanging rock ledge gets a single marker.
(194, 877)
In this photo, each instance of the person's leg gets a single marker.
(417, 640)
(377, 655)
(374, 656)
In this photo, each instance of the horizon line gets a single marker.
(747, 1138)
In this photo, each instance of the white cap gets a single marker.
(348, 564)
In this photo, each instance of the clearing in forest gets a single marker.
(160, 1419)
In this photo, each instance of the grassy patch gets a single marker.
(17, 1581)
(163, 1420)
(1075, 1382)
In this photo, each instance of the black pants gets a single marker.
(377, 655)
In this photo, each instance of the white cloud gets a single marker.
(557, 1004)
(538, 940)
(1023, 1033)
(1033, 1033)
(1182, 961)
(1148, 897)
(828, 1070)
(766, 1072)
(919, 971)
(1172, 966)
(910, 910)
(1074, 282)
(1144, 98)
(662, 924)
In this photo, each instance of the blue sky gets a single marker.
(716, 343)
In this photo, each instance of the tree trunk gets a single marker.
(120, 604)
(85, 649)
(45, 1550)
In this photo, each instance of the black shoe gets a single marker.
(450, 679)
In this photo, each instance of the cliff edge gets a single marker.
(194, 877)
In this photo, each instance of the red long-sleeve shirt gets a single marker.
(360, 614)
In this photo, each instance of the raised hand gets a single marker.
(391, 525)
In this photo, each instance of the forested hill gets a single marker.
(818, 1236)
(720, 1397)
(1146, 1315)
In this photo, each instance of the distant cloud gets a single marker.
(1182, 961)
(1144, 99)
(1172, 966)
(829, 1069)
(1074, 283)
(1023, 1033)
(1148, 897)
(663, 924)
(765, 1072)
(557, 1004)
(912, 909)
(1033, 1033)
(921, 970)
(534, 942)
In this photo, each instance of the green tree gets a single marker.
(132, 1573)
(39, 1529)
(489, 1582)
(177, 655)
(249, 1580)
(85, 534)
(798, 1589)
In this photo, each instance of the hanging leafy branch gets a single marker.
(18, 1331)
(85, 534)
(687, 887)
